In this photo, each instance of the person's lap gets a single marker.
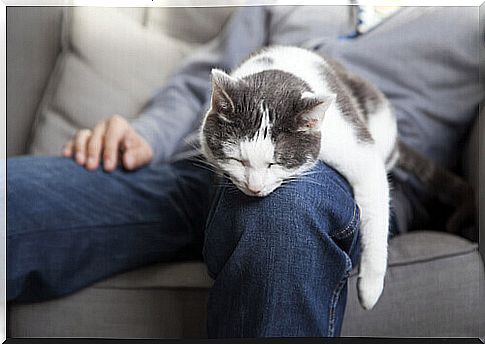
(68, 228)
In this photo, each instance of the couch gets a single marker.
(68, 68)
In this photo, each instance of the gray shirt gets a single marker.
(424, 59)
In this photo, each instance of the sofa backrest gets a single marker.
(33, 44)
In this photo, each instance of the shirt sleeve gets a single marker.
(177, 108)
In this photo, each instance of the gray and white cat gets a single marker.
(283, 109)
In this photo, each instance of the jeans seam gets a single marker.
(336, 295)
(210, 220)
(351, 226)
(214, 208)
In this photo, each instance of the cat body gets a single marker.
(285, 108)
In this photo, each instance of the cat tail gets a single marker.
(446, 186)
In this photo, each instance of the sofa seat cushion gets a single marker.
(190, 274)
(431, 290)
(421, 246)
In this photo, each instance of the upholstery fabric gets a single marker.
(121, 313)
(427, 279)
(33, 44)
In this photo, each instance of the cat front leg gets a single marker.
(371, 191)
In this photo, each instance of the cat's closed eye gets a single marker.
(246, 163)
(242, 162)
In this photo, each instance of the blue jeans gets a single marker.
(280, 263)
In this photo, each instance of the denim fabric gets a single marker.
(280, 263)
(67, 227)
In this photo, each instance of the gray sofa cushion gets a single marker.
(190, 274)
(431, 290)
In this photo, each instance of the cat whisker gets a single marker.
(227, 187)
(206, 166)
(201, 160)
(208, 169)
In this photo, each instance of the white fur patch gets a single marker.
(259, 149)
(362, 165)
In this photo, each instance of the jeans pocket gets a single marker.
(350, 228)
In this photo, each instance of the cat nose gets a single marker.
(255, 189)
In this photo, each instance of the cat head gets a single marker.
(263, 129)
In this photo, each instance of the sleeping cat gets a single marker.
(285, 108)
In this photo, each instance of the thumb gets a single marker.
(137, 151)
(136, 157)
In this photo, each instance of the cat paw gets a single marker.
(369, 289)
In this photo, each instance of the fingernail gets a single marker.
(79, 157)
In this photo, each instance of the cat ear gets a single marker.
(222, 84)
(314, 108)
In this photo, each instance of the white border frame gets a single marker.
(140, 3)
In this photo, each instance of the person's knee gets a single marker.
(292, 228)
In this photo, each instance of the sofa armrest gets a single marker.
(33, 43)
(474, 168)
(480, 186)
(471, 165)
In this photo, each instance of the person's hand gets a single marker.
(106, 142)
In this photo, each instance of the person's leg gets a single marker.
(67, 227)
(281, 262)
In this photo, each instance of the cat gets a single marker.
(283, 109)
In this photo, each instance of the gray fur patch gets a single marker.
(354, 106)
(264, 60)
(367, 95)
